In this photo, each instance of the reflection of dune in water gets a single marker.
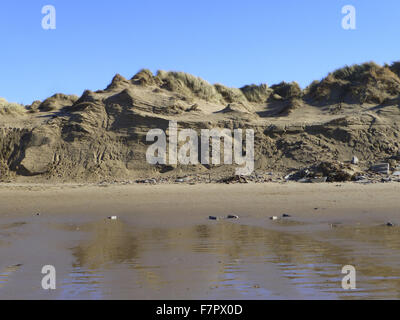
(375, 252)
(307, 259)
(114, 246)
(232, 256)
(111, 243)
(10, 231)
(12, 225)
(82, 281)
(7, 272)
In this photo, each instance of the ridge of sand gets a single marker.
(101, 135)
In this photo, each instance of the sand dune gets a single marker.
(101, 135)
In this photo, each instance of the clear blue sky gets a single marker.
(226, 41)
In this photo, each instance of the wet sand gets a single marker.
(163, 246)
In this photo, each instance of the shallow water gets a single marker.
(227, 259)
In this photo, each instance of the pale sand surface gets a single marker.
(183, 203)
(163, 246)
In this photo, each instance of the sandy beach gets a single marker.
(163, 244)
(203, 151)
(182, 203)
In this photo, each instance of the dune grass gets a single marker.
(287, 90)
(256, 94)
(360, 83)
(188, 84)
(395, 67)
(230, 95)
(10, 108)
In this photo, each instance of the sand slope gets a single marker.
(101, 135)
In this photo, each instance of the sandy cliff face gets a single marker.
(102, 135)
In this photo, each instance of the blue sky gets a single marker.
(230, 42)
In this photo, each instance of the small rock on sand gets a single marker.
(16, 265)
(274, 218)
(112, 218)
(382, 168)
(232, 216)
(285, 215)
(213, 218)
(318, 179)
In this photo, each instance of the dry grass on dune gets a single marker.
(57, 101)
(193, 86)
(395, 67)
(10, 108)
(116, 82)
(361, 72)
(364, 83)
(287, 90)
(256, 94)
(359, 83)
(188, 84)
(145, 77)
(230, 95)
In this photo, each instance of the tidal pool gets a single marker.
(98, 258)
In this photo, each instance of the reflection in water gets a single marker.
(231, 260)
(82, 281)
(376, 258)
(7, 272)
(112, 243)
(12, 225)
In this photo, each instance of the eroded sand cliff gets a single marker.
(102, 135)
